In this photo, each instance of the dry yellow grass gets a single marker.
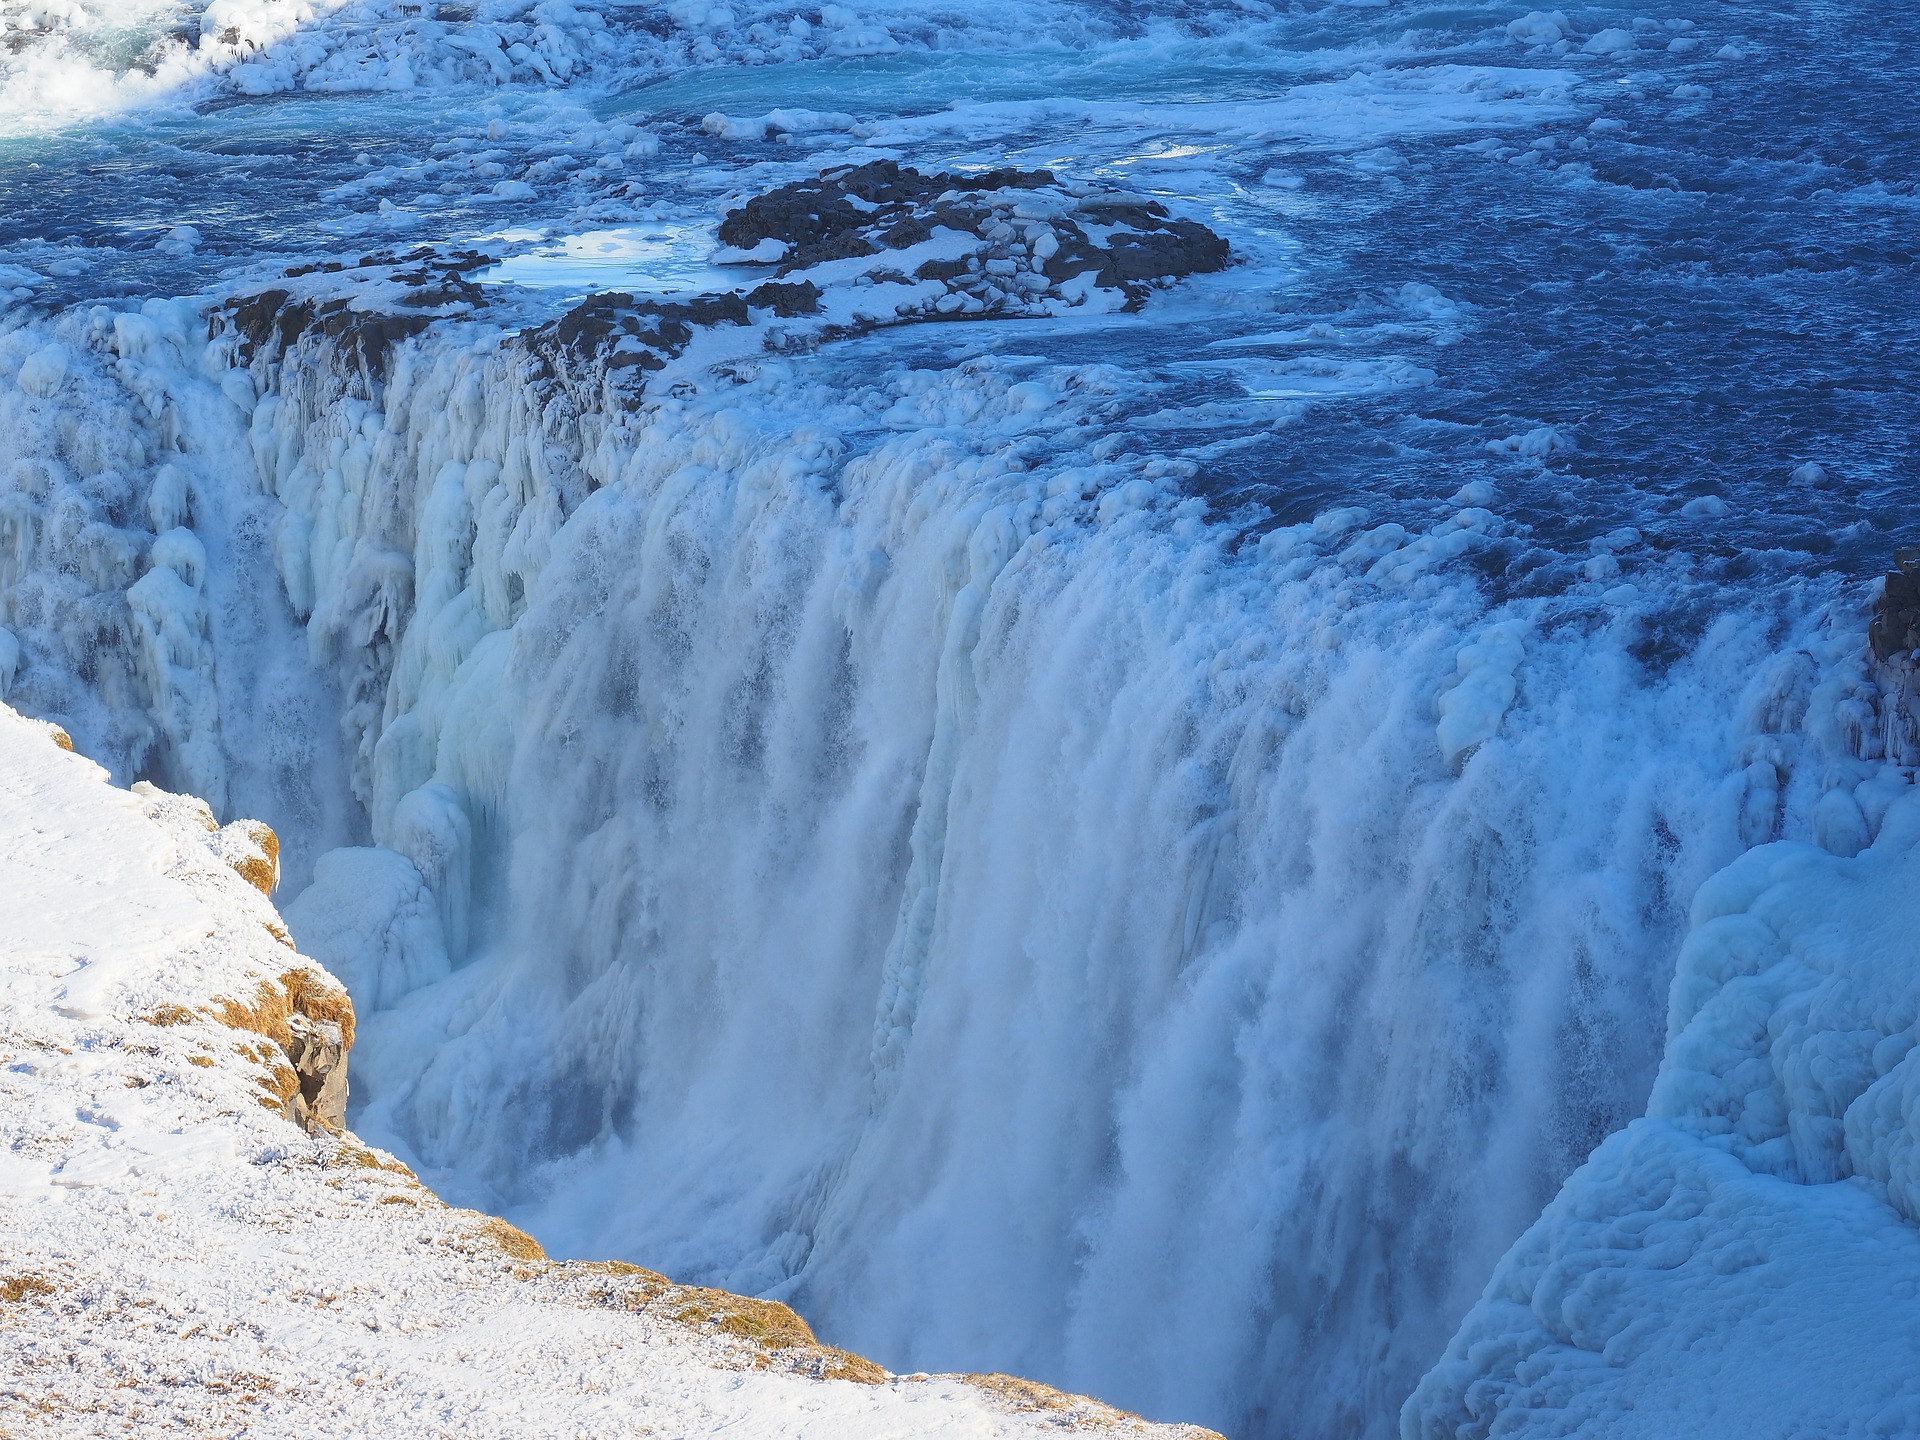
(360, 1157)
(1025, 1395)
(770, 1331)
(299, 991)
(53, 732)
(1069, 1412)
(845, 1365)
(17, 1289)
(766, 1323)
(253, 850)
(511, 1240)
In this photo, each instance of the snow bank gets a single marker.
(149, 1005)
(1745, 1259)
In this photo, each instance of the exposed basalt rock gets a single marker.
(269, 322)
(1893, 638)
(859, 210)
(615, 331)
(1896, 616)
(311, 1020)
(1026, 222)
(364, 317)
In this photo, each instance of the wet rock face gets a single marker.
(374, 305)
(270, 322)
(864, 209)
(609, 343)
(318, 1053)
(1896, 618)
(1026, 222)
(616, 331)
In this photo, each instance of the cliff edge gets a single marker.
(190, 1239)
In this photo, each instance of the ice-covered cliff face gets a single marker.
(1745, 1258)
(1135, 837)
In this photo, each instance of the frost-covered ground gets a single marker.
(1099, 815)
(179, 1256)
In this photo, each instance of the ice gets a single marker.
(1318, 378)
(672, 696)
(1539, 27)
(1470, 710)
(1713, 1268)
(44, 371)
(371, 911)
(653, 258)
(1535, 444)
(1045, 841)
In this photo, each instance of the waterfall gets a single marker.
(925, 867)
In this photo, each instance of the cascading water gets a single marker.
(1018, 919)
(1136, 849)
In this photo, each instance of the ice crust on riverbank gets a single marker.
(174, 1252)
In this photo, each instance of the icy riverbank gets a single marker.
(178, 1253)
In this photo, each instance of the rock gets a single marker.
(867, 209)
(1895, 628)
(318, 1053)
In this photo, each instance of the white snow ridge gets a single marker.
(177, 1255)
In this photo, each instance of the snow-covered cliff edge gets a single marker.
(173, 1251)
(1744, 1259)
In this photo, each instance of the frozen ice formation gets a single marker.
(824, 685)
(160, 1033)
(1746, 1257)
(1470, 709)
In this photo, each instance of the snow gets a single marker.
(178, 1254)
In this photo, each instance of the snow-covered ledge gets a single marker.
(185, 1240)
